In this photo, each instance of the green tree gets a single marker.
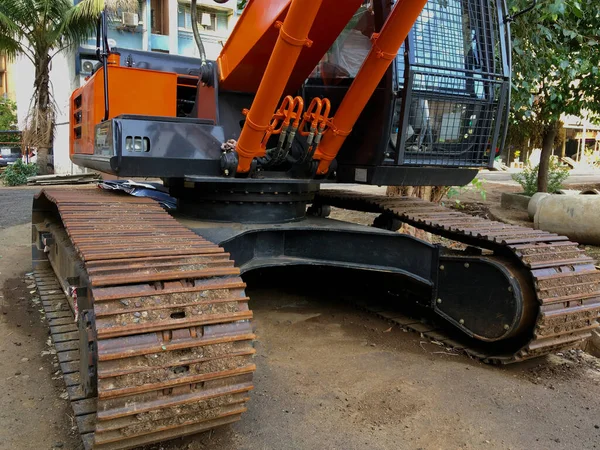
(39, 30)
(8, 121)
(556, 61)
(8, 114)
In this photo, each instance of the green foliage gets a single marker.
(556, 60)
(476, 185)
(17, 173)
(528, 178)
(8, 121)
(556, 64)
(8, 114)
(42, 28)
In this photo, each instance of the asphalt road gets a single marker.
(15, 206)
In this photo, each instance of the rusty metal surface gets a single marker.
(172, 323)
(565, 280)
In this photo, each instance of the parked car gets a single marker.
(8, 155)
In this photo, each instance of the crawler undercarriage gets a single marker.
(154, 332)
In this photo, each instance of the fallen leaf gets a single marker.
(388, 330)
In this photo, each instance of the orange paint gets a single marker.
(293, 36)
(385, 47)
(114, 59)
(130, 90)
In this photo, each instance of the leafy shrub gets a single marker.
(528, 179)
(476, 185)
(17, 173)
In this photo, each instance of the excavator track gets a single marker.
(565, 280)
(169, 336)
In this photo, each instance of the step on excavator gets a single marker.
(146, 306)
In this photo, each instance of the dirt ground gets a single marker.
(329, 376)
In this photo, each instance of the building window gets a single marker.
(208, 19)
(159, 17)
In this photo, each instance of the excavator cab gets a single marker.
(443, 103)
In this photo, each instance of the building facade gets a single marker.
(7, 78)
(166, 26)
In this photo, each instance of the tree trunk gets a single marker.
(547, 147)
(428, 193)
(43, 115)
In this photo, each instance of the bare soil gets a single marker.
(33, 411)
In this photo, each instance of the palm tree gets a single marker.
(39, 30)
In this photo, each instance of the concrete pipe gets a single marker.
(534, 202)
(575, 216)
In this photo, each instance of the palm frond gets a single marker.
(10, 46)
(21, 13)
(79, 22)
(10, 36)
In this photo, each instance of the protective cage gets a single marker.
(453, 84)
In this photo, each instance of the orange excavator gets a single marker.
(145, 301)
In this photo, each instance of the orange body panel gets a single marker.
(246, 53)
(130, 90)
(385, 48)
(293, 37)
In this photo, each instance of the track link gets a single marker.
(170, 323)
(565, 280)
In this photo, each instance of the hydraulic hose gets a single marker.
(197, 38)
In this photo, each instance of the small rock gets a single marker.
(24, 359)
(17, 373)
(137, 314)
(372, 345)
(125, 302)
(597, 427)
(58, 445)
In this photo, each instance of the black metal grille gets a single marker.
(453, 86)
